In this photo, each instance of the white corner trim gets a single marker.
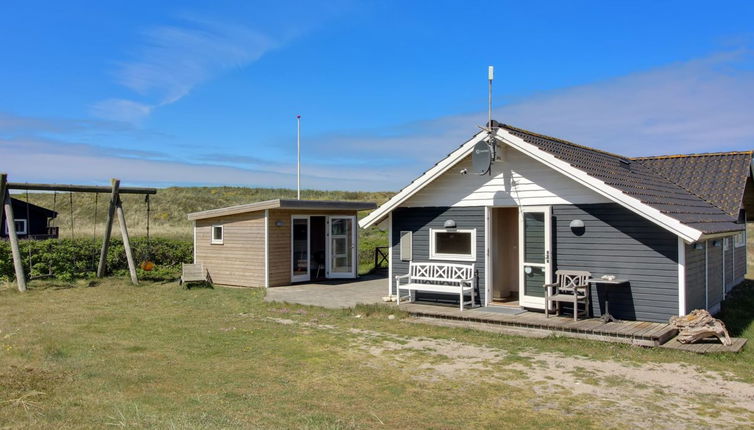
(266, 248)
(420, 182)
(390, 255)
(487, 231)
(706, 274)
(194, 242)
(681, 277)
(635, 205)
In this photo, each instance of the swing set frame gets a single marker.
(115, 209)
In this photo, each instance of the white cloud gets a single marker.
(172, 60)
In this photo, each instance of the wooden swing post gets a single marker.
(114, 198)
(10, 221)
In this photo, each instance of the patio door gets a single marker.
(341, 261)
(300, 248)
(534, 251)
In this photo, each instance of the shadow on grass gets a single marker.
(201, 285)
(737, 309)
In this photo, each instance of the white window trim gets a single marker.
(452, 257)
(726, 244)
(222, 234)
(23, 231)
(738, 244)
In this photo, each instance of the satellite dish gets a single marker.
(481, 158)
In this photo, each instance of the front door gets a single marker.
(534, 251)
(300, 233)
(341, 247)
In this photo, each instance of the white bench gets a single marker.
(447, 278)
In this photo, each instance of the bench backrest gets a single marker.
(193, 272)
(440, 272)
(570, 279)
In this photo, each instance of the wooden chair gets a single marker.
(194, 273)
(570, 286)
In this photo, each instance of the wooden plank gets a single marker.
(13, 236)
(126, 243)
(78, 188)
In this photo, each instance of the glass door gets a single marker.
(341, 247)
(534, 252)
(300, 249)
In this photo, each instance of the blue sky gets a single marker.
(206, 93)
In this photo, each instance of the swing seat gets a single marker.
(147, 266)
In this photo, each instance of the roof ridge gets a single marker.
(567, 142)
(699, 154)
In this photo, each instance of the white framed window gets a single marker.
(217, 234)
(739, 239)
(406, 245)
(21, 226)
(452, 244)
(726, 243)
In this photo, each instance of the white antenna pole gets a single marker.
(490, 77)
(298, 157)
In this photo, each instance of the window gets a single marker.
(20, 227)
(739, 239)
(406, 245)
(726, 243)
(217, 234)
(452, 244)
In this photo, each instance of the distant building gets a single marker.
(32, 221)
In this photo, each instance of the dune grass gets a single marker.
(102, 354)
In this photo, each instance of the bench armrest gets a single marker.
(399, 277)
(551, 284)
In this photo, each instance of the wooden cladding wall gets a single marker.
(616, 241)
(279, 242)
(239, 260)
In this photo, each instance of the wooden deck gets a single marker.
(707, 346)
(632, 332)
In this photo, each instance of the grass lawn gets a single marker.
(156, 355)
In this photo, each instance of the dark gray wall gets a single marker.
(419, 221)
(730, 276)
(618, 242)
(740, 261)
(714, 273)
(695, 274)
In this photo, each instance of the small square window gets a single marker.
(20, 227)
(217, 234)
(452, 244)
(739, 239)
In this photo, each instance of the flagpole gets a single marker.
(298, 156)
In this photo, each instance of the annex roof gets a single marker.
(19, 208)
(640, 185)
(284, 204)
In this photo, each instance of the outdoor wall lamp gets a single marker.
(577, 227)
(449, 224)
(279, 223)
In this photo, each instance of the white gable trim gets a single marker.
(419, 183)
(671, 224)
(635, 205)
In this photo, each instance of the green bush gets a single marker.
(68, 259)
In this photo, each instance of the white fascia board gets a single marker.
(430, 175)
(635, 205)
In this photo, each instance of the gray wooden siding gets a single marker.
(419, 221)
(730, 276)
(714, 274)
(695, 274)
(618, 242)
(740, 262)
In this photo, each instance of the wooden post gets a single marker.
(114, 198)
(126, 242)
(10, 221)
(3, 182)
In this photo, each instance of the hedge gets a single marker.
(68, 259)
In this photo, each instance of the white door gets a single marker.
(341, 247)
(300, 235)
(534, 255)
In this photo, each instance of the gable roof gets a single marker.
(629, 182)
(719, 178)
(283, 204)
(19, 209)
